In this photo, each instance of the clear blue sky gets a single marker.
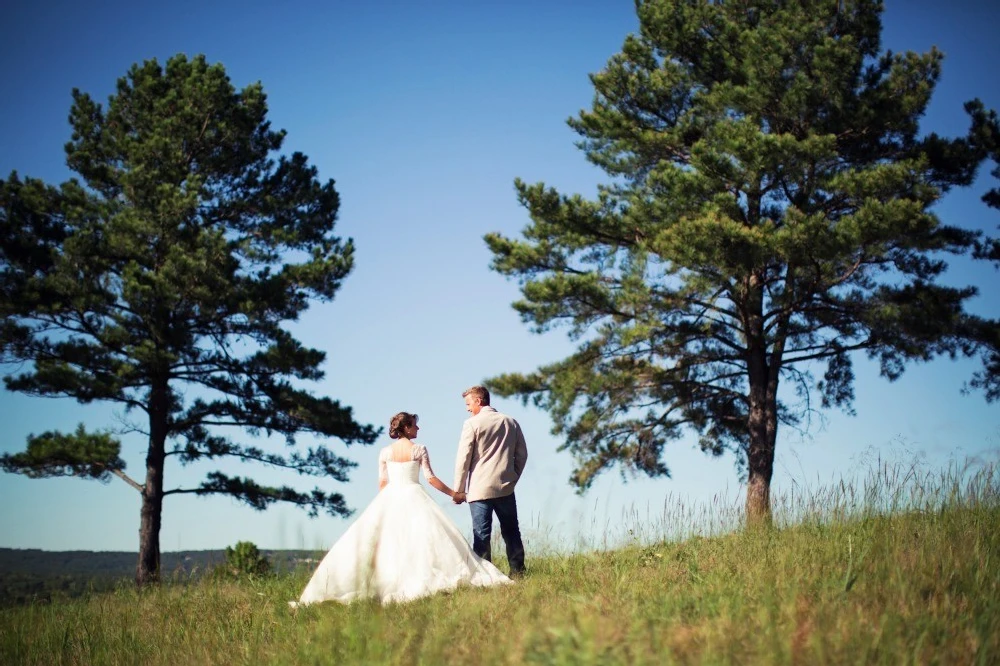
(424, 113)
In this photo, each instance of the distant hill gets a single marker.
(122, 563)
(31, 574)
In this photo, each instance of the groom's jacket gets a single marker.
(491, 456)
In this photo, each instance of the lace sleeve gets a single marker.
(383, 472)
(424, 459)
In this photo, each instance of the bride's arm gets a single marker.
(439, 484)
(383, 473)
(425, 464)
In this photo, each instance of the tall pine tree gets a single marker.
(163, 282)
(768, 211)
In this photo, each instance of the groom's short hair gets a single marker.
(478, 392)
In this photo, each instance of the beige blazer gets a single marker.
(491, 456)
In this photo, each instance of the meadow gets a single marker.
(899, 567)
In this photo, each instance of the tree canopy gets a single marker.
(163, 280)
(768, 212)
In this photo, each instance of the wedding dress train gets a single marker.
(402, 547)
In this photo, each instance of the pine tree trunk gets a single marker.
(761, 466)
(760, 456)
(762, 421)
(148, 568)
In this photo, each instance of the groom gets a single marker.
(491, 458)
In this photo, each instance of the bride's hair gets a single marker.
(400, 422)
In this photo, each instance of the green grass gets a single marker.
(900, 568)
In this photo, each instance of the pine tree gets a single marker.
(768, 212)
(162, 281)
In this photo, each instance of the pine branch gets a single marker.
(261, 497)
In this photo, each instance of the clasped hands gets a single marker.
(458, 498)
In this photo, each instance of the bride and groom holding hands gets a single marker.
(403, 546)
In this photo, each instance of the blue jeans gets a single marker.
(482, 529)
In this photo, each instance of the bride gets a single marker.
(402, 546)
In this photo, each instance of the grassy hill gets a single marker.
(890, 575)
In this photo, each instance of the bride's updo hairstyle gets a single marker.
(399, 423)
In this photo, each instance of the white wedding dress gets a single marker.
(401, 547)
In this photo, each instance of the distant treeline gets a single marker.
(33, 575)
